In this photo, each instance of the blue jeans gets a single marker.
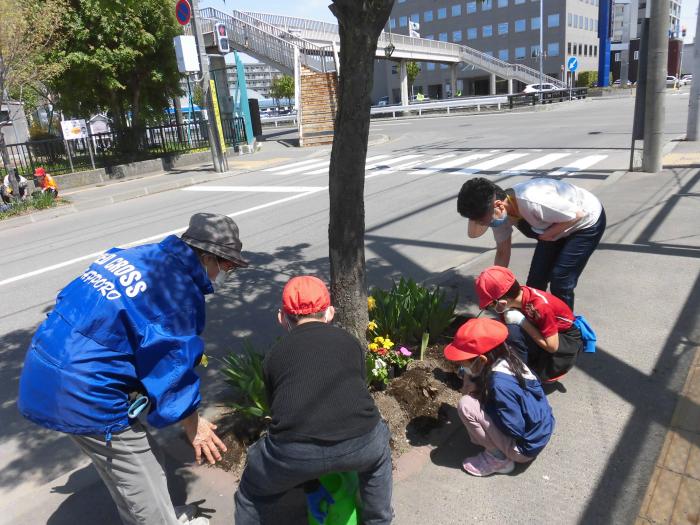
(275, 467)
(560, 263)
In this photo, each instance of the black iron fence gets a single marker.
(557, 95)
(108, 149)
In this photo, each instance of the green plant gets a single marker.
(408, 311)
(37, 202)
(244, 373)
(377, 369)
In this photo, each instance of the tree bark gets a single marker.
(360, 23)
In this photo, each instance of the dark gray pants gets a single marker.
(275, 467)
(133, 474)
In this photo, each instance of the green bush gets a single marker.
(589, 79)
(244, 373)
(411, 314)
(37, 202)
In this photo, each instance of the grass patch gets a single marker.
(37, 202)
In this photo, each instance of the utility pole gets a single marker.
(693, 132)
(217, 150)
(656, 87)
(541, 46)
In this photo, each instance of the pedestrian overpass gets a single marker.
(308, 50)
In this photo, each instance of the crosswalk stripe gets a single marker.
(325, 168)
(254, 189)
(389, 163)
(492, 163)
(322, 164)
(294, 165)
(580, 164)
(455, 162)
(537, 163)
(392, 169)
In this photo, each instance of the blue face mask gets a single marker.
(495, 223)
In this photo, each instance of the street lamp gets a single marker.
(389, 50)
(541, 46)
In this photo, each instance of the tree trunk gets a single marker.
(360, 23)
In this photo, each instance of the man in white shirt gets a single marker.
(567, 221)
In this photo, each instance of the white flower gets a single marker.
(379, 364)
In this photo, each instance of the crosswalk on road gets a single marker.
(463, 163)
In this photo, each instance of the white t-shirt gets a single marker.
(543, 202)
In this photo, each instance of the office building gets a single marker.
(505, 29)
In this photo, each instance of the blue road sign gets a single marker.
(183, 12)
(572, 64)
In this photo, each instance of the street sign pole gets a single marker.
(571, 66)
(217, 150)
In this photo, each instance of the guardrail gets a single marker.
(558, 95)
(277, 120)
(447, 105)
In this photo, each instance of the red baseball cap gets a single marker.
(492, 284)
(305, 295)
(39, 172)
(476, 337)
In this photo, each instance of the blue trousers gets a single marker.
(275, 467)
(560, 263)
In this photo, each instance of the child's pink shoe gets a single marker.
(485, 464)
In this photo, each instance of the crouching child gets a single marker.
(504, 407)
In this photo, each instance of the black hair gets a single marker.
(512, 292)
(515, 364)
(296, 318)
(476, 197)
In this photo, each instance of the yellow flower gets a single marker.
(204, 361)
(379, 340)
(371, 303)
(388, 343)
(372, 325)
(373, 347)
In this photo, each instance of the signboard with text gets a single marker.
(74, 129)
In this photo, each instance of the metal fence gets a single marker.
(112, 148)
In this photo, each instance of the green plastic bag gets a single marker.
(343, 487)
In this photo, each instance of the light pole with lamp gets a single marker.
(541, 47)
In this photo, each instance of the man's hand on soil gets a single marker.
(200, 433)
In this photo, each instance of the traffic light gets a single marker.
(221, 35)
(683, 32)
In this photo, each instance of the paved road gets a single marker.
(282, 209)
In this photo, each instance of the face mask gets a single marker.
(500, 307)
(495, 223)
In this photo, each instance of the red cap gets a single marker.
(492, 284)
(305, 295)
(39, 172)
(476, 337)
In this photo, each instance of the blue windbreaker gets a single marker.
(130, 322)
(522, 413)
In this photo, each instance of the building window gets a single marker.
(534, 51)
(585, 50)
(429, 37)
(520, 53)
(503, 28)
(431, 66)
(503, 54)
(403, 21)
(428, 16)
(457, 10)
(518, 2)
(415, 17)
(617, 57)
(456, 36)
(442, 37)
(570, 20)
(471, 7)
(443, 66)
(568, 48)
(636, 55)
(392, 23)
(580, 49)
(487, 31)
(553, 20)
(535, 23)
(472, 33)
(442, 13)
(489, 53)
(520, 25)
(502, 3)
(487, 5)
(553, 49)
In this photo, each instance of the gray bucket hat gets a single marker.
(217, 234)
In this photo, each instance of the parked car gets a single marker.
(671, 81)
(687, 79)
(618, 83)
(384, 101)
(536, 88)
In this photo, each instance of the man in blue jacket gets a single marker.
(129, 327)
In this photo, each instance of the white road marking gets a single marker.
(255, 189)
(537, 163)
(367, 167)
(580, 164)
(453, 163)
(284, 166)
(492, 163)
(295, 168)
(393, 169)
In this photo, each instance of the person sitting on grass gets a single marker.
(45, 183)
(541, 327)
(323, 417)
(504, 407)
(6, 192)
